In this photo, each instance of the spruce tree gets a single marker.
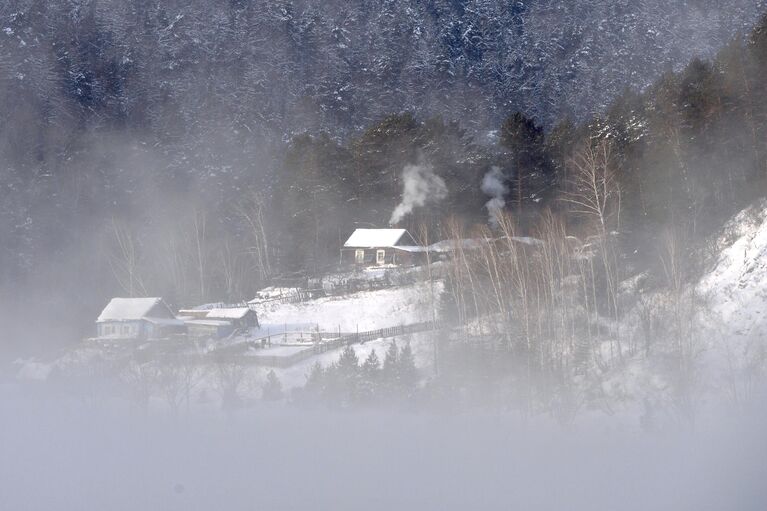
(316, 381)
(370, 377)
(348, 372)
(390, 371)
(272, 389)
(408, 373)
(527, 145)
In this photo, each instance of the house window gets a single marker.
(380, 256)
(359, 256)
(126, 329)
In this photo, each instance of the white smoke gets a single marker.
(421, 185)
(493, 186)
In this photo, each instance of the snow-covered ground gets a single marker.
(736, 302)
(727, 346)
(366, 310)
(737, 285)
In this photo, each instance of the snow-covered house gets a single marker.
(137, 318)
(370, 247)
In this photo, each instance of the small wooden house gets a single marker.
(239, 317)
(379, 247)
(137, 318)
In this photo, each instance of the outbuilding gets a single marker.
(239, 317)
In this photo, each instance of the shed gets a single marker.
(137, 318)
(194, 313)
(239, 317)
(371, 247)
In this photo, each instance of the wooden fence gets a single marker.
(324, 342)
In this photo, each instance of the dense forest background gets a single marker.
(173, 149)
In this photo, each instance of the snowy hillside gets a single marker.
(736, 294)
(711, 351)
(367, 310)
(737, 285)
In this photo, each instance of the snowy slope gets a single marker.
(736, 316)
(367, 310)
(724, 339)
(737, 286)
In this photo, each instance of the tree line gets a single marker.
(352, 383)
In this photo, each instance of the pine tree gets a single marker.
(390, 371)
(272, 389)
(347, 370)
(532, 177)
(316, 382)
(391, 361)
(370, 378)
(348, 364)
(408, 373)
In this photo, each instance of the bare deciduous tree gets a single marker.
(251, 209)
(124, 259)
(595, 194)
(594, 191)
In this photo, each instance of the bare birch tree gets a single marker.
(595, 194)
(251, 210)
(124, 259)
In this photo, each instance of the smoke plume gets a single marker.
(421, 185)
(493, 186)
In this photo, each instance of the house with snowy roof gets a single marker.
(379, 247)
(137, 318)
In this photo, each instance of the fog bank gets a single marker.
(71, 457)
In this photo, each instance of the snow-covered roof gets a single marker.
(128, 309)
(450, 245)
(165, 321)
(193, 313)
(208, 322)
(208, 306)
(371, 238)
(230, 313)
(411, 248)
